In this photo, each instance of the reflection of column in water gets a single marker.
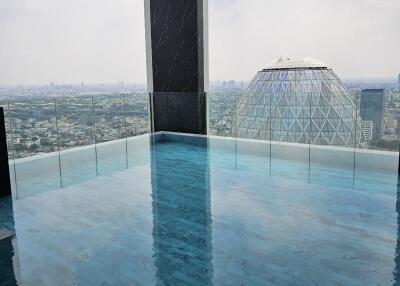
(9, 260)
(181, 217)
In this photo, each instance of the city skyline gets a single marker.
(384, 80)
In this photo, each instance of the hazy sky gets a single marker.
(103, 40)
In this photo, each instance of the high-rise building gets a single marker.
(398, 81)
(298, 101)
(367, 127)
(371, 109)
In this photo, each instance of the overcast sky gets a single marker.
(93, 41)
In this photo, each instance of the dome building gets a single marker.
(298, 101)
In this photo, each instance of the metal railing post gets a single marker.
(125, 133)
(13, 149)
(94, 133)
(58, 143)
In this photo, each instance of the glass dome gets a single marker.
(300, 102)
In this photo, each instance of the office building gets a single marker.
(371, 109)
(367, 127)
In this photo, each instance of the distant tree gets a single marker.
(19, 147)
(392, 145)
(33, 147)
(46, 142)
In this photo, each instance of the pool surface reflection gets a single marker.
(194, 215)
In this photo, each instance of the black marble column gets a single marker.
(5, 184)
(177, 64)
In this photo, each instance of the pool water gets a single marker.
(191, 214)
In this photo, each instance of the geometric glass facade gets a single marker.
(372, 109)
(301, 102)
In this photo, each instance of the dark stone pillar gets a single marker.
(177, 64)
(5, 184)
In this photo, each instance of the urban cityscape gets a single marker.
(47, 118)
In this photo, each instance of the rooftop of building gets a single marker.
(306, 63)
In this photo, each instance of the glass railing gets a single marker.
(333, 134)
(70, 136)
(221, 111)
(57, 129)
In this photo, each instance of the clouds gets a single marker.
(103, 40)
(72, 41)
(357, 38)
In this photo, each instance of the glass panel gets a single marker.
(333, 129)
(65, 128)
(137, 123)
(34, 133)
(376, 160)
(76, 127)
(290, 111)
(225, 114)
(221, 109)
(137, 114)
(110, 125)
(251, 121)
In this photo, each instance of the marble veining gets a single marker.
(175, 43)
(176, 64)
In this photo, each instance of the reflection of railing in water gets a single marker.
(164, 240)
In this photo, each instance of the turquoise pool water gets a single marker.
(186, 213)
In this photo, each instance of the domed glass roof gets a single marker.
(301, 102)
(288, 63)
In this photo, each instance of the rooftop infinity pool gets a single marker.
(196, 210)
